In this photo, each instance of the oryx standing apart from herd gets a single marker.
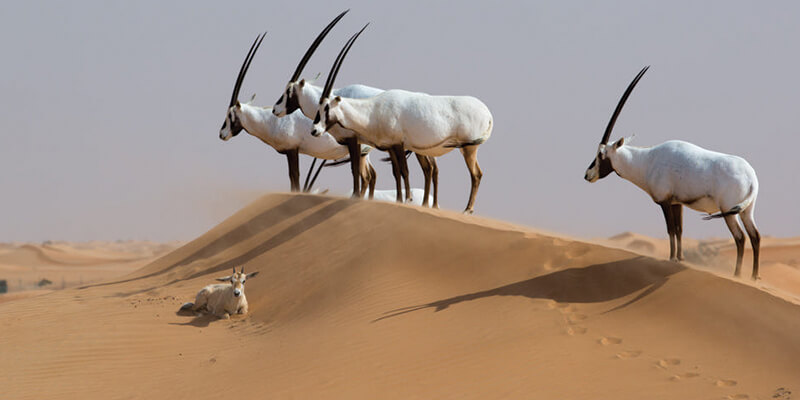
(396, 120)
(677, 173)
(305, 96)
(288, 135)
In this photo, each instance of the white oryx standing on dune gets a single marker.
(288, 135)
(305, 96)
(396, 120)
(677, 173)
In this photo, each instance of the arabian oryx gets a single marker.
(288, 135)
(677, 173)
(305, 96)
(222, 299)
(396, 120)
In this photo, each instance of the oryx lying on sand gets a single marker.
(305, 96)
(677, 173)
(222, 299)
(396, 120)
(288, 135)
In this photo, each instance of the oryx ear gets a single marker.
(619, 143)
(336, 100)
(302, 82)
(224, 279)
(252, 274)
(238, 105)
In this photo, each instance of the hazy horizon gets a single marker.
(112, 109)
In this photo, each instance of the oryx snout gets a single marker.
(237, 292)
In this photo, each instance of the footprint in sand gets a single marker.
(607, 341)
(725, 383)
(740, 396)
(576, 330)
(575, 318)
(629, 354)
(552, 304)
(680, 377)
(668, 362)
(782, 394)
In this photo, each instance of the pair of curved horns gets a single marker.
(338, 63)
(314, 46)
(234, 270)
(243, 71)
(621, 103)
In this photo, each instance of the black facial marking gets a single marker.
(605, 168)
(292, 104)
(316, 119)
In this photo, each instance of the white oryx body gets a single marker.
(398, 120)
(222, 299)
(683, 173)
(677, 174)
(424, 124)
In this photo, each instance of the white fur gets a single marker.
(219, 299)
(684, 173)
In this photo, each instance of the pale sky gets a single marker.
(111, 109)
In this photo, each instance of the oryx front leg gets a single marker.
(403, 165)
(396, 172)
(666, 207)
(355, 164)
(738, 236)
(470, 154)
(677, 215)
(293, 157)
(435, 178)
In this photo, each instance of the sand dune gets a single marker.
(23, 265)
(359, 299)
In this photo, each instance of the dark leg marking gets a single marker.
(355, 164)
(677, 214)
(666, 207)
(293, 157)
(470, 154)
(738, 236)
(426, 172)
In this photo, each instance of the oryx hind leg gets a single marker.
(755, 237)
(738, 236)
(677, 215)
(425, 165)
(435, 178)
(396, 172)
(470, 154)
(666, 207)
(368, 177)
(401, 157)
(293, 157)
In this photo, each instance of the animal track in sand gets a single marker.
(740, 396)
(782, 394)
(628, 354)
(552, 304)
(680, 377)
(668, 362)
(607, 340)
(576, 330)
(725, 383)
(575, 318)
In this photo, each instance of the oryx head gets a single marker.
(601, 165)
(329, 112)
(237, 280)
(233, 121)
(288, 102)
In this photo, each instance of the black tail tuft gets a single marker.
(732, 211)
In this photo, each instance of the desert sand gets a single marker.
(360, 299)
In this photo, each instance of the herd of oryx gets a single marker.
(347, 123)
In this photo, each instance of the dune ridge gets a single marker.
(359, 299)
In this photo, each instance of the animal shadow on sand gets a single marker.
(592, 284)
(287, 234)
(199, 321)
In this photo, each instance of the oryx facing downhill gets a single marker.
(305, 96)
(396, 120)
(288, 135)
(677, 173)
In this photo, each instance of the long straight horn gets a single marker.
(338, 63)
(621, 103)
(245, 65)
(314, 46)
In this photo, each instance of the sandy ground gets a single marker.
(359, 299)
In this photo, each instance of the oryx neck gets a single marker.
(354, 114)
(256, 120)
(631, 163)
(308, 98)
